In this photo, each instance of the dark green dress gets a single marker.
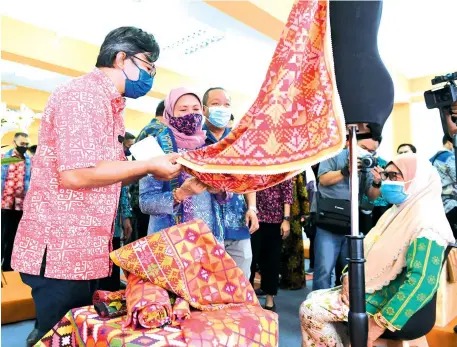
(292, 256)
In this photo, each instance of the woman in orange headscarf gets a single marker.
(404, 253)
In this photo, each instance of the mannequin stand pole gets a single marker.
(357, 318)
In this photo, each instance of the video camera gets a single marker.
(444, 97)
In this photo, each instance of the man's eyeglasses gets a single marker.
(391, 175)
(153, 71)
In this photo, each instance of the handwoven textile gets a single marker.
(107, 296)
(64, 334)
(82, 327)
(148, 305)
(295, 121)
(187, 260)
(110, 304)
(247, 326)
(236, 326)
(181, 311)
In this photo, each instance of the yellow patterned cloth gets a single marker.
(296, 120)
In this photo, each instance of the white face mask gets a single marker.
(361, 152)
(219, 116)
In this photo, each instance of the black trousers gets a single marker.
(140, 224)
(10, 222)
(266, 244)
(113, 282)
(53, 298)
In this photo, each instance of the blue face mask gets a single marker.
(219, 116)
(127, 152)
(139, 88)
(394, 192)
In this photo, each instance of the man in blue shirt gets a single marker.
(330, 242)
(240, 214)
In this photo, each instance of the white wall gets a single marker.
(386, 149)
(427, 131)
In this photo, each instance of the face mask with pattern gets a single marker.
(188, 124)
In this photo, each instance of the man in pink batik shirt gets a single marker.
(64, 238)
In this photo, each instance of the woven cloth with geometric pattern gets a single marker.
(248, 326)
(187, 260)
(296, 120)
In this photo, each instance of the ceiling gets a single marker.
(237, 52)
(199, 41)
(31, 77)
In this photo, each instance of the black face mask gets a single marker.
(127, 152)
(21, 149)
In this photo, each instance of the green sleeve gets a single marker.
(423, 267)
(376, 300)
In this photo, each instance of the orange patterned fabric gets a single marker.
(107, 296)
(181, 311)
(295, 120)
(148, 305)
(187, 260)
(237, 326)
(248, 326)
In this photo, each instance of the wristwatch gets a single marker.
(253, 208)
(376, 185)
(286, 218)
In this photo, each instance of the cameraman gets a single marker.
(330, 243)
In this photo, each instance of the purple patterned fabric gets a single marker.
(188, 124)
(270, 202)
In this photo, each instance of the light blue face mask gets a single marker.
(219, 116)
(394, 192)
(139, 88)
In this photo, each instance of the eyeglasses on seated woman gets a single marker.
(404, 252)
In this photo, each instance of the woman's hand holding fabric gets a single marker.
(190, 187)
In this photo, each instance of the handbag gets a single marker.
(333, 215)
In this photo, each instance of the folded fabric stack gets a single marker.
(170, 272)
(188, 261)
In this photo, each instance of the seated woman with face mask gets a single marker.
(404, 254)
(184, 198)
